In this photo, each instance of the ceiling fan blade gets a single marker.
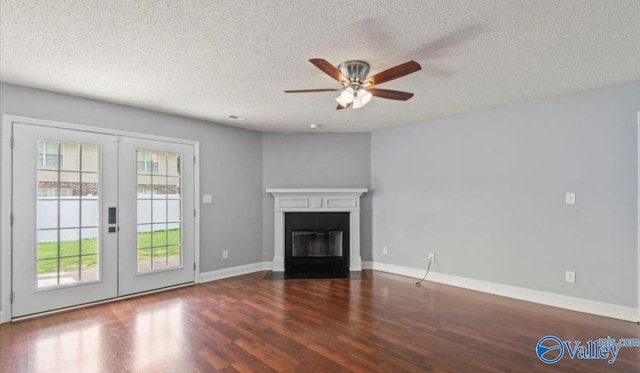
(329, 69)
(340, 107)
(312, 90)
(390, 94)
(393, 73)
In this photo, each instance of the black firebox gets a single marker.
(316, 242)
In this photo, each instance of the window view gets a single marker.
(159, 211)
(49, 154)
(68, 214)
(147, 162)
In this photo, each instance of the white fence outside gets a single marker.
(166, 215)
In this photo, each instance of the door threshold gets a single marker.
(110, 300)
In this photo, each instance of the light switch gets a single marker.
(570, 199)
(207, 198)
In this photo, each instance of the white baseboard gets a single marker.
(235, 271)
(530, 295)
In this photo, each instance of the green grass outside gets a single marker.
(48, 251)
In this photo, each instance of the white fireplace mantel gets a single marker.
(317, 200)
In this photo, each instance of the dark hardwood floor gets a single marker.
(249, 324)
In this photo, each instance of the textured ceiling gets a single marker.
(211, 59)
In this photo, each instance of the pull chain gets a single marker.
(350, 117)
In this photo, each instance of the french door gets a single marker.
(97, 216)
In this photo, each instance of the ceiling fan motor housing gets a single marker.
(356, 71)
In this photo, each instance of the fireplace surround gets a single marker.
(318, 200)
(316, 242)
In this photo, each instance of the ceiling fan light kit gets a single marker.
(362, 98)
(346, 96)
(355, 92)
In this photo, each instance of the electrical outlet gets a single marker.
(225, 254)
(570, 276)
(385, 250)
(570, 198)
(432, 257)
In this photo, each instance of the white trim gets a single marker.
(355, 261)
(278, 241)
(530, 295)
(196, 205)
(219, 274)
(638, 210)
(95, 129)
(297, 191)
(6, 196)
(110, 300)
(5, 224)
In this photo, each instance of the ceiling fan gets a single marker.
(357, 89)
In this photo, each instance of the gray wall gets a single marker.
(316, 161)
(230, 165)
(485, 192)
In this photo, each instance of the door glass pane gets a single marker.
(159, 187)
(144, 260)
(160, 257)
(173, 187)
(69, 270)
(69, 157)
(174, 257)
(89, 187)
(69, 209)
(159, 235)
(174, 234)
(159, 211)
(49, 155)
(90, 209)
(69, 183)
(173, 211)
(69, 242)
(68, 214)
(47, 210)
(90, 158)
(89, 267)
(144, 210)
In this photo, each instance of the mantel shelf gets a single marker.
(355, 191)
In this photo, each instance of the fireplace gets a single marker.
(339, 238)
(316, 242)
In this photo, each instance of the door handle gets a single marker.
(112, 215)
(112, 219)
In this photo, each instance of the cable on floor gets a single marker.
(419, 283)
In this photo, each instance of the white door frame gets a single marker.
(6, 195)
(638, 210)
